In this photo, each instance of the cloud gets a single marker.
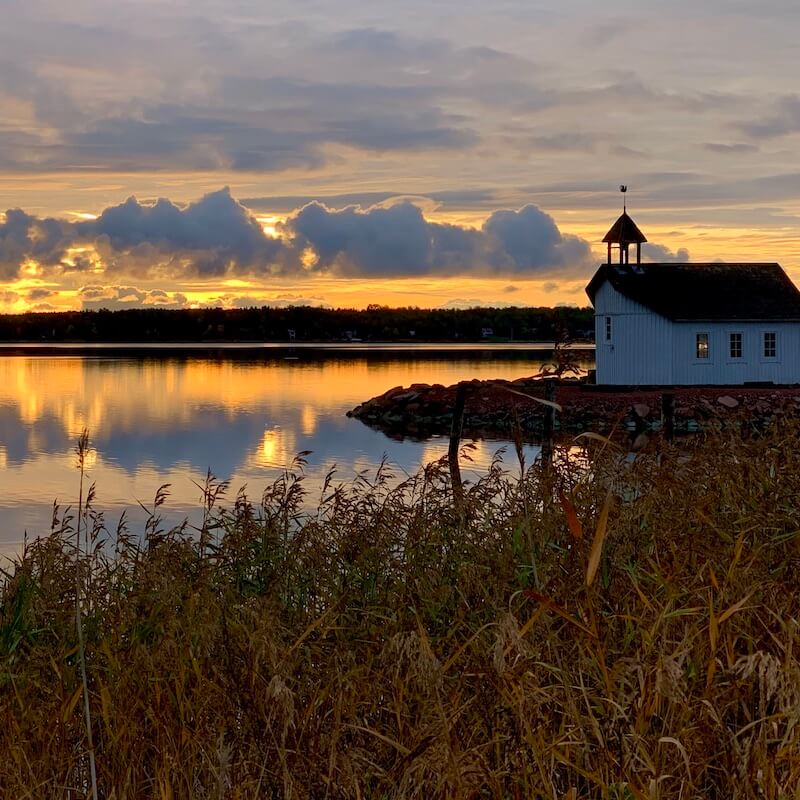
(258, 301)
(40, 294)
(783, 120)
(475, 302)
(738, 148)
(530, 241)
(217, 237)
(24, 237)
(230, 107)
(120, 297)
(398, 240)
(659, 253)
(461, 198)
(213, 236)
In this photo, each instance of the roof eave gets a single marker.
(732, 320)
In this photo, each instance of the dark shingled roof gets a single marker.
(710, 291)
(624, 231)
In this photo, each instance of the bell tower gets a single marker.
(624, 232)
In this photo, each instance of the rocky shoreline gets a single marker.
(494, 409)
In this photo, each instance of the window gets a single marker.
(702, 350)
(608, 329)
(735, 345)
(770, 344)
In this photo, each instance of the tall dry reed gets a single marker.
(598, 629)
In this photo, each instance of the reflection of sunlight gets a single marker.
(30, 408)
(432, 450)
(273, 450)
(308, 420)
(90, 459)
(123, 394)
(269, 447)
(158, 420)
(74, 421)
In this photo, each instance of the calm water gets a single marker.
(156, 419)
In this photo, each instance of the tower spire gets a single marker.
(624, 233)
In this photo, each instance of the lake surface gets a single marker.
(159, 416)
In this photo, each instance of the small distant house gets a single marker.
(692, 324)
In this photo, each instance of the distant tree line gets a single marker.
(300, 323)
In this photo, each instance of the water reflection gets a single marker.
(154, 421)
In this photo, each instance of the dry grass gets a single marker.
(626, 632)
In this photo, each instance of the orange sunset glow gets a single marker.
(434, 160)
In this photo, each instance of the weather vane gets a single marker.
(624, 189)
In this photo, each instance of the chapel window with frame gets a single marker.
(735, 344)
(770, 344)
(702, 350)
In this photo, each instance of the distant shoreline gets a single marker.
(7, 348)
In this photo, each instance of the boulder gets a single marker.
(728, 401)
(405, 396)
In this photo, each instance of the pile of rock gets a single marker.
(493, 409)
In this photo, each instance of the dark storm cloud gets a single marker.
(398, 240)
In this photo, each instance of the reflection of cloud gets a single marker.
(155, 422)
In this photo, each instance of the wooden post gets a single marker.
(668, 415)
(455, 440)
(548, 427)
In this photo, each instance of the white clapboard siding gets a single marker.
(648, 349)
(640, 350)
(720, 368)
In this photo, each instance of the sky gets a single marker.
(440, 153)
